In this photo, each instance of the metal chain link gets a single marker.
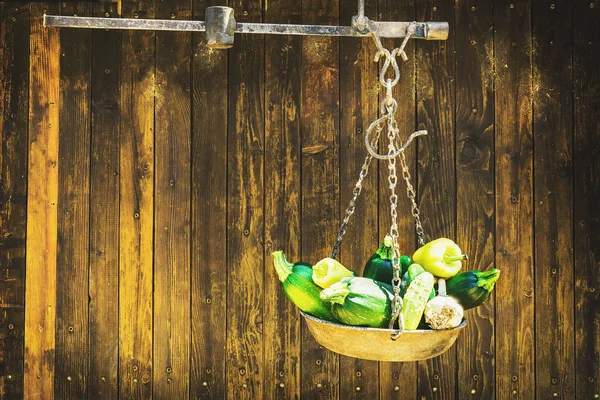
(394, 233)
(410, 191)
(352, 205)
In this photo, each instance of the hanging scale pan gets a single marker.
(377, 344)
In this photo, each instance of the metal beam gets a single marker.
(64, 21)
(420, 30)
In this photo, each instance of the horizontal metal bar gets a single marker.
(290, 29)
(422, 30)
(64, 21)
(384, 29)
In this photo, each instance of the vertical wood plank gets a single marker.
(104, 213)
(73, 210)
(436, 163)
(136, 206)
(14, 94)
(245, 202)
(282, 200)
(475, 206)
(359, 379)
(209, 217)
(42, 195)
(586, 160)
(172, 206)
(399, 380)
(515, 359)
(320, 177)
(553, 194)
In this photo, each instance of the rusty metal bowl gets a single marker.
(377, 344)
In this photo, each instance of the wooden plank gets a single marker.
(172, 206)
(245, 213)
(515, 360)
(209, 217)
(136, 206)
(358, 108)
(42, 195)
(320, 177)
(282, 200)
(553, 194)
(436, 174)
(73, 210)
(586, 185)
(104, 211)
(399, 380)
(14, 89)
(475, 206)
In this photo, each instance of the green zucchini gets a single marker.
(360, 302)
(379, 266)
(415, 300)
(472, 288)
(299, 288)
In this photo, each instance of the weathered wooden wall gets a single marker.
(145, 181)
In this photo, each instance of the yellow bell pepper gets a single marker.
(441, 257)
(328, 271)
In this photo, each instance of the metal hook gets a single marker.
(401, 52)
(400, 149)
(390, 59)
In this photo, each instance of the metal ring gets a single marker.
(389, 105)
(384, 108)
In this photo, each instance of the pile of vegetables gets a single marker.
(434, 292)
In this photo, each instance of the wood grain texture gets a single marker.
(320, 178)
(553, 199)
(136, 207)
(282, 201)
(14, 95)
(475, 205)
(245, 211)
(399, 380)
(104, 214)
(73, 210)
(42, 196)
(436, 168)
(256, 150)
(209, 218)
(172, 206)
(586, 185)
(358, 108)
(515, 340)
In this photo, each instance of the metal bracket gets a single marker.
(220, 26)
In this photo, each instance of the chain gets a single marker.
(410, 191)
(388, 108)
(352, 205)
(393, 181)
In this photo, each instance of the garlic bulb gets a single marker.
(443, 312)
